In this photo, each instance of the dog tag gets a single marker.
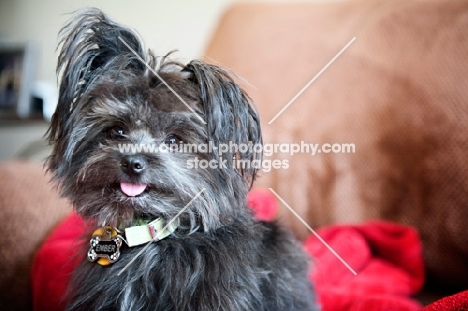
(105, 246)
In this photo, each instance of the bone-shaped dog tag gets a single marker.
(105, 245)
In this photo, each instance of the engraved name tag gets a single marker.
(105, 246)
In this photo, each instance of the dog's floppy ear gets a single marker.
(229, 115)
(89, 48)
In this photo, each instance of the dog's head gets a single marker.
(120, 105)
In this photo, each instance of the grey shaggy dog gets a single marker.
(219, 257)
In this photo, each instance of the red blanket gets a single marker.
(387, 258)
(458, 302)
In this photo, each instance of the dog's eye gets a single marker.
(116, 132)
(172, 139)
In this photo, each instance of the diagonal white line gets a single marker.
(313, 79)
(315, 233)
(162, 230)
(159, 77)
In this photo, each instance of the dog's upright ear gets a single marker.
(230, 117)
(90, 46)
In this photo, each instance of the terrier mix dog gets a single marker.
(204, 249)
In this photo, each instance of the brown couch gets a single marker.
(399, 93)
(29, 209)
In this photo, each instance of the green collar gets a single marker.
(153, 231)
(106, 242)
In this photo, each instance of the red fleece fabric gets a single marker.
(387, 258)
(458, 302)
(54, 264)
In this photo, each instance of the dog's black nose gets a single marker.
(133, 164)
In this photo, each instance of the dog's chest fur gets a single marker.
(238, 267)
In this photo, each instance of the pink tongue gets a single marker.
(132, 189)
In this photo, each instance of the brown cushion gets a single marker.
(29, 209)
(399, 93)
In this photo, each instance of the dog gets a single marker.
(204, 249)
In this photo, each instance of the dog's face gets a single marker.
(108, 99)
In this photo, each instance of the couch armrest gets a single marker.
(29, 209)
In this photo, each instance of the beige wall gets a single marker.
(165, 25)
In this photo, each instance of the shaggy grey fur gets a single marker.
(220, 257)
